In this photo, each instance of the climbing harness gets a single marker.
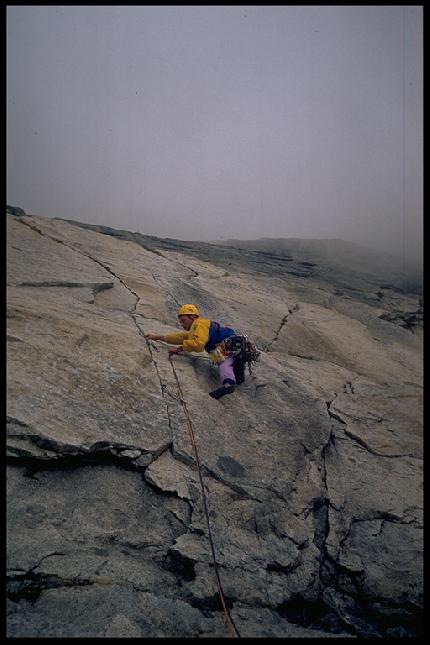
(230, 622)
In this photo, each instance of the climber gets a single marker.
(203, 334)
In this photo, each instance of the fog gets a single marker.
(217, 122)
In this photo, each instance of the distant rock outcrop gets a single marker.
(15, 210)
(312, 469)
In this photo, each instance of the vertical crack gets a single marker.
(156, 280)
(131, 312)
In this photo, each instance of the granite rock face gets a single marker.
(312, 469)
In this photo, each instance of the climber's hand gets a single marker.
(151, 336)
(176, 350)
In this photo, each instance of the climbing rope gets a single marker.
(230, 622)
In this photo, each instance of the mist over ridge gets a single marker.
(335, 256)
(221, 122)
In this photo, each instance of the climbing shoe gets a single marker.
(221, 391)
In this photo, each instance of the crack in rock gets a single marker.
(95, 286)
(132, 312)
(282, 324)
(366, 446)
(333, 415)
(59, 456)
(29, 586)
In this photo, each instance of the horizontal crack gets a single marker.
(29, 586)
(366, 446)
(101, 453)
(97, 286)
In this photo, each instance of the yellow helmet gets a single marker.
(186, 310)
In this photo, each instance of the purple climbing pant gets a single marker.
(226, 370)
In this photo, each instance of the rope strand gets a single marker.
(230, 621)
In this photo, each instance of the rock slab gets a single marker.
(312, 470)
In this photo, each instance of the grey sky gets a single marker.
(213, 122)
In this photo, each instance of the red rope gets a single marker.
(230, 622)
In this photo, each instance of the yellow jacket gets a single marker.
(193, 340)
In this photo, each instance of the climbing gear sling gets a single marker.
(230, 622)
(245, 353)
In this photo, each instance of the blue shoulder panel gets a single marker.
(217, 333)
